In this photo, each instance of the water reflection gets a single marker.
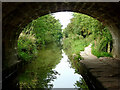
(67, 77)
(36, 82)
(39, 73)
(81, 84)
(45, 72)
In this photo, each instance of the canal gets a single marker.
(51, 69)
(67, 77)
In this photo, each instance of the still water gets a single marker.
(67, 77)
(51, 69)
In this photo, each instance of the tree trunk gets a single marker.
(108, 50)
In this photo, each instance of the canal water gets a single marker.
(51, 69)
(67, 77)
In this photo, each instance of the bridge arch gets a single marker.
(15, 16)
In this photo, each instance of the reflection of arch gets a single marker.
(17, 15)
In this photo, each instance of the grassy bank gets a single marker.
(84, 30)
(73, 46)
(99, 53)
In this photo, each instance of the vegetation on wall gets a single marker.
(38, 34)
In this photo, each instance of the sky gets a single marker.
(64, 17)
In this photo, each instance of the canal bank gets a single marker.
(67, 77)
(51, 69)
(104, 73)
(99, 74)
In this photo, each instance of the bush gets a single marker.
(100, 53)
(27, 48)
(82, 31)
(72, 46)
(37, 34)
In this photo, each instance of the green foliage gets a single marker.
(37, 34)
(26, 47)
(81, 84)
(74, 46)
(82, 25)
(39, 73)
(98, 53)
(46, 29)
(79, 57)
(82, 31)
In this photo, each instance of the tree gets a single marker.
(38, 33)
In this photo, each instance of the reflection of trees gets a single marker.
(50, 77)
(39, 73)
(37, 82)
(81, 85)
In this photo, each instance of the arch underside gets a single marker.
(15, 16)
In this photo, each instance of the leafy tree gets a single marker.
(38, 33)
(91, 30)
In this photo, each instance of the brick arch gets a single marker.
(15, 16)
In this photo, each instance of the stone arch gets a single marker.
(17, 15)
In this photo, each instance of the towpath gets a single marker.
(104, 69)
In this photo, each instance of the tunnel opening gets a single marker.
(81, 28)
(28, 42)
(54, 36)
(15, 19)
(104, 49)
